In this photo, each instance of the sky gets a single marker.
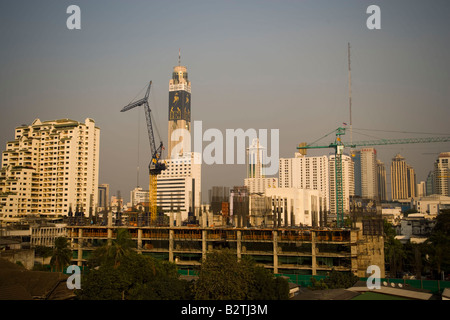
(252, 65)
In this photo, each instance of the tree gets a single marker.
(393, 250)
(61, 253)
(437, 246)
(114, 252)
(224, 277)
(118, 272)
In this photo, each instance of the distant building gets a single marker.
(138, 195)
(256, 181)
(296, 207)
(403, 179)
(442, 174)
(103, 197)
(50, 167)
(431, 205)
(347, 182)
(381, 181)
(179, 186)
(304, 172)
(369, 187)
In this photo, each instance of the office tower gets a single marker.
(179, 112)
(50, 169)
(381, 181)
(442, 174)
(348, 185)
(304, 172)
(256, 182)
(403, 179)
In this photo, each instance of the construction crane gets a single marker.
(156, 164)
(339, 146)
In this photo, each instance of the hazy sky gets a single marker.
(253, 64)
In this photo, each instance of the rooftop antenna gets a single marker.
(179, 57)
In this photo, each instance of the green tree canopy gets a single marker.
(224, 277)
(62, 254)
(118, 272)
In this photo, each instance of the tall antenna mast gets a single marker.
(350, 93)
(179, 57)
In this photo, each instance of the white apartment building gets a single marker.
(50, 167)
(139, 195)
(296, 206)
(304, 172)
(348, 181)
(442, 174)
(369, 182)
(180, 185)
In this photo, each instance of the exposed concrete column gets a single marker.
(275, 251)
(171, 232)
(171, 219)
(204, 244)
(110, 236)
(239, 244)
(313, 252)
(80, 247)
(178, 219)
(139, 240)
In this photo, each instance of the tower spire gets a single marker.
(179, 57)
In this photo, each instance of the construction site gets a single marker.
(291, 250)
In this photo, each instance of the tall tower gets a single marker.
(179, 112)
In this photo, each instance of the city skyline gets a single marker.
(253, 64)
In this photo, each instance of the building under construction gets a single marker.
(292, 250)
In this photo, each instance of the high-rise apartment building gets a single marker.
(365, 164)
(50, 169)
(304, 172)
(317, 173)
(403, 179)
(348, 185)
(442, 174)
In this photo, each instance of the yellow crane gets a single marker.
(156, 164)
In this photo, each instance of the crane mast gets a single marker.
(156, 164)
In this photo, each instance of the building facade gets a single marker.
(381, 181)
(365, 168)
(179, 186)
(50, 169)
(403, 179)
(442, 174)
(304, 172)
